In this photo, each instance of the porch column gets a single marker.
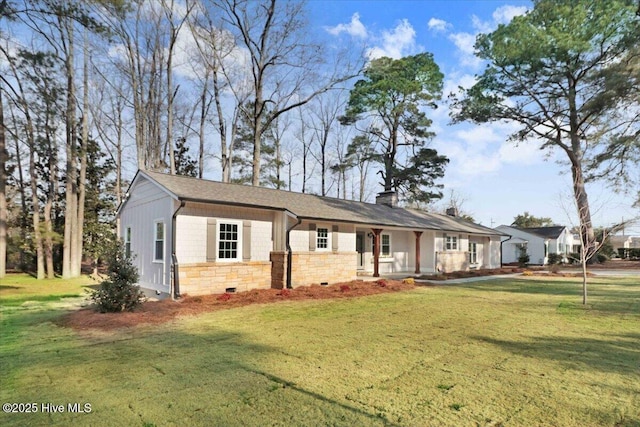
(418, 234)
(376, 251)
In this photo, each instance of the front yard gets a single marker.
(491, 353)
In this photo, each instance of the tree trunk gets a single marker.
(203, 120)
(3, 193)
(37, 235)
(257, 140)
(82, 183)
(48, 207)
(71, 187)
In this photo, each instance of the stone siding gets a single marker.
(214, 277)
(449, 261)
(323, 267)
(278, 270)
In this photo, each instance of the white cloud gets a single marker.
(465, 41)
(355, 28)
(436, 24)
(504, 14)
(396, 43)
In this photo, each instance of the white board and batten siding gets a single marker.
(147, 206)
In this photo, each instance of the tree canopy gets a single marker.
(390, 100)
(563, 72)
(526, 220)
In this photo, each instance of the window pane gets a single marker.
(159, 231)
(159, 250)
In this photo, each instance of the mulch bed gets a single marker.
(475, 273)
(166, 310)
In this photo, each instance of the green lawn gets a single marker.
(495, 353)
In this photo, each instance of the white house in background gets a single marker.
(538, 242)
(216, 236)
(625, 242)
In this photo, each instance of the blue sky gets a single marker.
(496, 179)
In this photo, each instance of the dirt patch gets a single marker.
(166, 310)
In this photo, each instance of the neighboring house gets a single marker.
(216, 237)
(625, 242)
(537, 242)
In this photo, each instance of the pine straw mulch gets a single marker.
(166, 310)
(475, 273)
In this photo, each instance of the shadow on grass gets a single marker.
(619, 354)
(212, 376)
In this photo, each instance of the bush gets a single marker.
(554, 259)
(119, 292)
(523, 260)
(600, 257)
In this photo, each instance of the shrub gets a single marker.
(119, 291)
(523, 260)
(344, 288)
(409, 281)
(382, 283)
(602, 257)
(554, 258)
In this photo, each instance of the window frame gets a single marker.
(238, 241)
(473, 252)
(325, 239)
(127, 240)
(382, 245)
(156, 240)
(451, 242)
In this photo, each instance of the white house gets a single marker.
(196, 236)
(537, 242)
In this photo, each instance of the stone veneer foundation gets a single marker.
(215, 277)
(322, 267)
(449, 261)
(307, 268)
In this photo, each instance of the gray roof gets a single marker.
(552, 232)
(309, 206)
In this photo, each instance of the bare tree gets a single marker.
(283, 62)
(324, 118)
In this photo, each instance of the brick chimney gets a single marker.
(388, 198)
(452, 211)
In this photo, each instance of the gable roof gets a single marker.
(308, 206)
(547, 232)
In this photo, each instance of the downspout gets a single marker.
(501, 242)
(289, 254)
(175, 282)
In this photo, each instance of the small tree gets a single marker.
(119, 292)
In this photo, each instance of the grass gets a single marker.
(17, 289)
(516, 352)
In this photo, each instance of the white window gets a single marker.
(127, 241)
(450, 242)
(158, 252)
(385, 245)
(473, 253)
(322, 238)
(229, 241)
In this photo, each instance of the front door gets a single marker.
(360, 249)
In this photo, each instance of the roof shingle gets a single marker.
(309, 206)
